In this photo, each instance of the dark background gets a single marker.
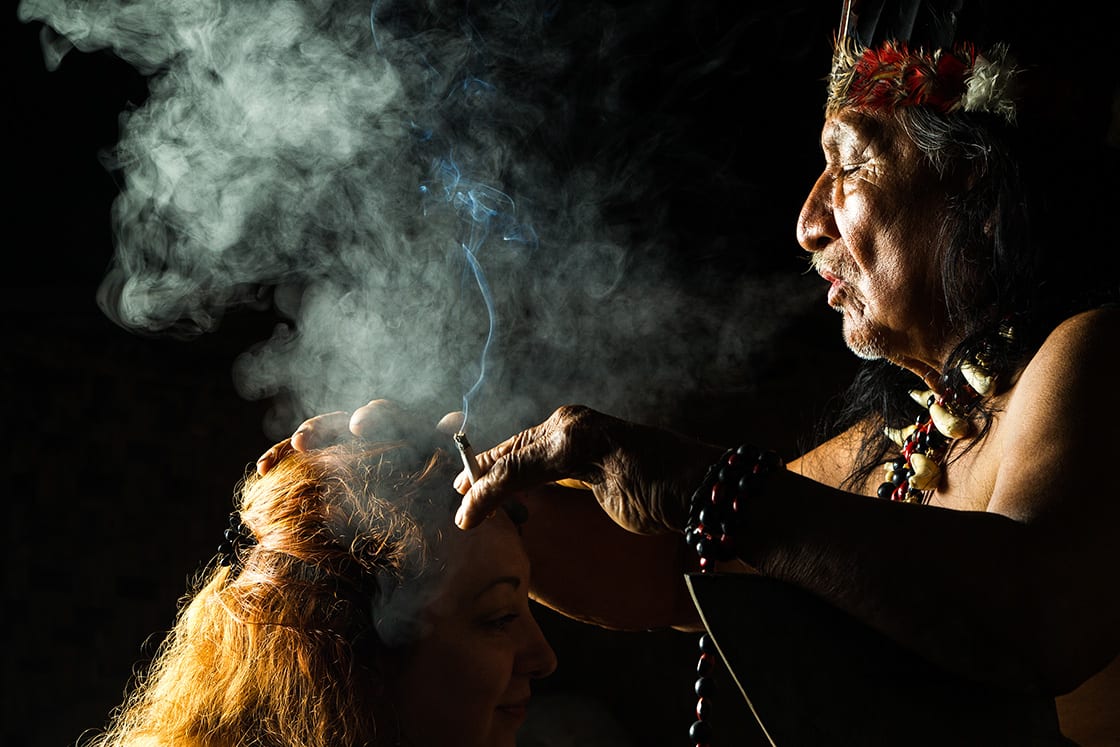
(122, 450)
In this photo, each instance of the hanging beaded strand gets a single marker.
(712, 521)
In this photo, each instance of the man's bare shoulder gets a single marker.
(1060, 416)
(1077, 359)
(1093, 335)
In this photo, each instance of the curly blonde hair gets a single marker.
(282, 646)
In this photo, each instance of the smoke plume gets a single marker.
(368, 170)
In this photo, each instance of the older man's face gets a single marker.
(873, 222)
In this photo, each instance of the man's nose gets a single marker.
(816, 225)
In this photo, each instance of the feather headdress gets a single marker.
(907, 55)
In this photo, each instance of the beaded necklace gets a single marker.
(913, 476)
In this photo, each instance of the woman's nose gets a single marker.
(537, 659)
(816, 225)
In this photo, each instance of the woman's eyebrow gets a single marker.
(513, 581)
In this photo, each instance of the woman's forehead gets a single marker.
(493, 546)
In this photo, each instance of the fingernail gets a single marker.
(459, 516)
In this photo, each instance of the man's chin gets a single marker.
(862, 342)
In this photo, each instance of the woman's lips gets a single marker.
(517, 711)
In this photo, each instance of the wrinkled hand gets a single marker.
(642, 477)
(378, 420)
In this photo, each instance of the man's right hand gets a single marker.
(642, 477)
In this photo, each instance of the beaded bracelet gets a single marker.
(713, 519)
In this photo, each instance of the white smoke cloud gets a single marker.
(332, 158)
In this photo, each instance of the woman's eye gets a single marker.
(503, 622)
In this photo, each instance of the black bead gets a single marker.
(898, 477)
(728, 474)
(897, 464)
(705, 687)
(700, 732)
(886, 490)
(770, 460)
(707, 645)
(709, 515)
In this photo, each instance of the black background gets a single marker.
(122, 450)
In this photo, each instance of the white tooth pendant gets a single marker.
(899, 435)
(949, 424)
(926, 472)
(977, 379)
(924, 398)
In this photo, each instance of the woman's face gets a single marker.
(467, 681)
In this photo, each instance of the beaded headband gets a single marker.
(893, 73)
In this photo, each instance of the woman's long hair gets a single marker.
(283, 645)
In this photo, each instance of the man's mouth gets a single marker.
(836, 285)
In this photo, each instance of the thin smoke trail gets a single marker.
(487, 297)
(480, 206)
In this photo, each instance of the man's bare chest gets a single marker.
(970, 471)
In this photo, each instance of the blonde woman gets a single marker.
(343, 609)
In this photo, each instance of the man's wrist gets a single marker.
(716, 509)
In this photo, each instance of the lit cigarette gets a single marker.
(466, 452)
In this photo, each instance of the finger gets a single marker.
(272, 457)
(321, 430)
(379, 420)
(574, 484)
(462, 482)
(451, 423)
(518, 464)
